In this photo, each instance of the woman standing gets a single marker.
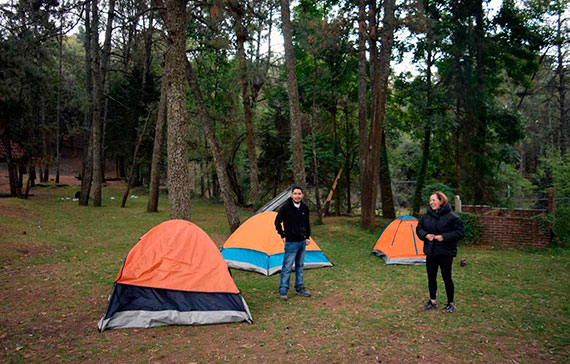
(440, 229)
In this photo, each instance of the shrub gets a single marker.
(472, 227)
(555, 172)
(437, 186)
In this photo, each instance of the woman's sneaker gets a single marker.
(430, 305)
(449, 308)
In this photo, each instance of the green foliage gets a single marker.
(274, 134)
(472, 227)
(430, 188)
(327, 162)
(555, 172)
(512, 186)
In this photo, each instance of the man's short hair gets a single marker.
(297, 188)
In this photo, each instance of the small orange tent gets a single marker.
(256, 246)
(399, 244)
(174, 275)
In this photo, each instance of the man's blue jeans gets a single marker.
(294, 252)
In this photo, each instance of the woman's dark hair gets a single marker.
(442, 197)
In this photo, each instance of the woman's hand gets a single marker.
(430, 237)
(439, 237)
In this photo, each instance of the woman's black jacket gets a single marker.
(441, 222)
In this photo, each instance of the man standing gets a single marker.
(295, 218)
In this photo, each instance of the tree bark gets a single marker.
(58, 111)
(381, 67)
(479, 140)
(29, 183)
(15, 189)
(313, 139)
(362, 86)
(220, 164)
(294, 107)
(148, 51)
(157, 151)
(178, 175)
(210, 131)
(135, 156)
(347, 161)
(106, 77)
(561, 86)
(241, 36)
(388, 210)
(87, 167)
(97, 103)
(420, 180)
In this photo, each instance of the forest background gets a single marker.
(193, 94)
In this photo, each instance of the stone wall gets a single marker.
(517, 228)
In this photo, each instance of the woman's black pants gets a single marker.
(445, 263)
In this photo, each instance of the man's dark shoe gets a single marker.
(449, 308)
(304, 293)
(430, 305)
(283, 296)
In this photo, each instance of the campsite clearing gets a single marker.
(59, 260)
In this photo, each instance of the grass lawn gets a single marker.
(59, 261)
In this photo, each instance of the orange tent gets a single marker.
(175, 274)
(399, 244)
(256, 246)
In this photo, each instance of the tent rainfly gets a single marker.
(399, 244)
(175, 275)
(256, 246)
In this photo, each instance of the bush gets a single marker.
(471, 226)
(437, 186)
(555, 172)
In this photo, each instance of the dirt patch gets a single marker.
(16, 211)
(14, 250)
(219, 239)
(331, 302)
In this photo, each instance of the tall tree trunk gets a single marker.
(313, 139)
(87, 165)
(420, 180)
(347, 161)
(334, 112)
(157, 151)
(148, 51)
(105, 75)
(388, 210)
(29, 183)
(58, 111)
(362, 86)
(135, 162)
(241, 36)
(479, 140)
(44, 177)
(178, 174)
(15, 189)
(292, 87)
(33, 174)
(381, 67)
(97, 103)
(220, 164)
(563, 140)
(210, 131)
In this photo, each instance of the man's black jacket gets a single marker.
(441, 222)
(295, 220)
